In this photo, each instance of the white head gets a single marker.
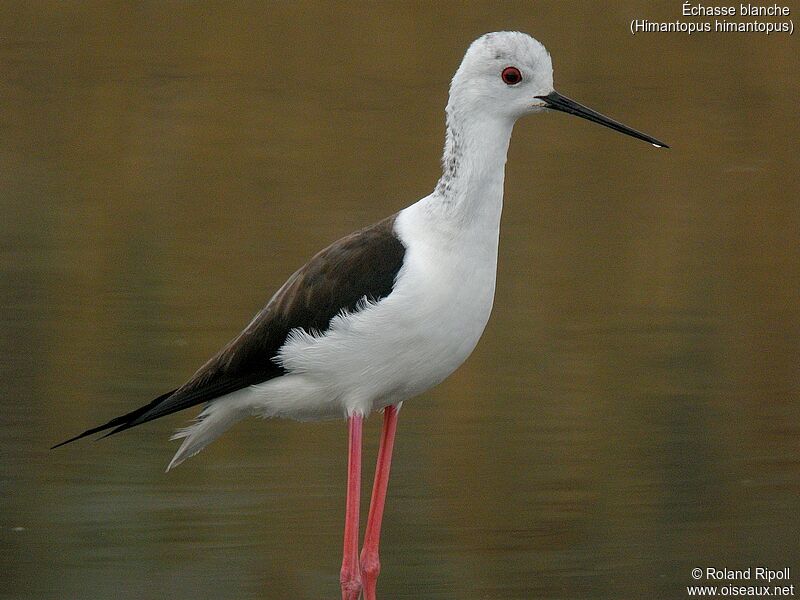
(501, 74)
(508, 74)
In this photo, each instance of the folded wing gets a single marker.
(363, 265)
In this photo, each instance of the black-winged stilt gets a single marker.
(386, 313)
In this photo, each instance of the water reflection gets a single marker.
(631, 412)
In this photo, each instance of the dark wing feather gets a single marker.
(361, 265)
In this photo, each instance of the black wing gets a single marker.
(361, 265)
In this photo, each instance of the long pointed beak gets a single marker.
(556, 101)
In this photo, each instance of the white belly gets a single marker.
(398, 347)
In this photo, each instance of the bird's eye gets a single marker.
(511, 76)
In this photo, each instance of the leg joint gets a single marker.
(370, 565)
(350, 579)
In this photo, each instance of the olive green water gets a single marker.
(631, 412)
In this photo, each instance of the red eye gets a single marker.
(511, 75)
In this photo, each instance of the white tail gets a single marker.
(216, 418)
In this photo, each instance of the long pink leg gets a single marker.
(350, 576)
(370, 561)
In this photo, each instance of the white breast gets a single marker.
(404, 344)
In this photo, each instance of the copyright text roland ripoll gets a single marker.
(734, 583)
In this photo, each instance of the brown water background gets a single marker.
(631, 412)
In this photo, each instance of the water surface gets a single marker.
(631, 413)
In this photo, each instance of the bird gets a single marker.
(385, 313)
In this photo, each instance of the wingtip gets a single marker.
(58, 445)
(121, 423)
(74, 439)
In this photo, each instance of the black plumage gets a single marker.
(362, 265)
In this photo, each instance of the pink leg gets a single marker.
(350, 576)
(370, 562)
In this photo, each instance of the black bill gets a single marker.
(556, 101)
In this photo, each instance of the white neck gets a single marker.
(470, 191)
